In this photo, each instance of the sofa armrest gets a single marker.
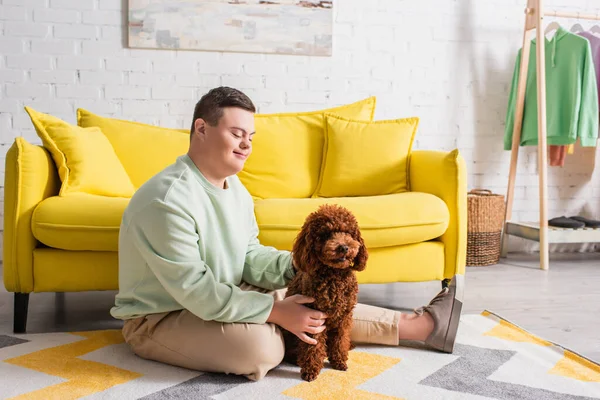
(30, 177)
(444, 174)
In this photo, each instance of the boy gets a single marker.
(198, 290)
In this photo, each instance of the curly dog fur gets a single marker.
(327, 252)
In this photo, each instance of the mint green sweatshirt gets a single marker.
(571, 94)
(185, 243)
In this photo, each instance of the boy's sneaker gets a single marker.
(445, 309)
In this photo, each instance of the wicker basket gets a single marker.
(484, 227)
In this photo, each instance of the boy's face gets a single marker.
(229, 143)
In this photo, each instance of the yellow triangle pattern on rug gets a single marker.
(83, 377)
(570, 366)
(341, 385)
(57, 370)
(576, 367)
(507, 331)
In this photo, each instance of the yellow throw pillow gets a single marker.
(365, 158)
(84, 157)
(288, 150)
(144, 150)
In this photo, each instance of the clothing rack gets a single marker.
(534, 20)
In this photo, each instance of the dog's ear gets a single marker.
(360, 261)
(303, 251)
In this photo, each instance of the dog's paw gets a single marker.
(339, 365)
(309, 376)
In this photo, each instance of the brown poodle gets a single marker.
(327, 252)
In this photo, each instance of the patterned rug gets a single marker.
(493, 359)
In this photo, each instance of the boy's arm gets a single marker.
(167, 239)
(265, 266)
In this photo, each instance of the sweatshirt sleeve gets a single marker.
(266, 266)
(588, 111)
(512, 103)
(167, 239)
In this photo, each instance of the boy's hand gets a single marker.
(293, 316)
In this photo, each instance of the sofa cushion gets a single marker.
(365, 158)
(79, 221)
(84, 157)
(387, 220)
(297, 136)
(143, 149)
(82, 221)
(287, 150)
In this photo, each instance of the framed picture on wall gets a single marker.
(301, 27)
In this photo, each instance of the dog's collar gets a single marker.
(351, 263)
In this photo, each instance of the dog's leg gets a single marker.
(338, 345)
(291, 347)
(312, 356)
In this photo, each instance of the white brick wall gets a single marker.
(448, 62)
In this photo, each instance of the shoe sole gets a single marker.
(450, 339)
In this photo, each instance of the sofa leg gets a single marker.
(20, 317)
(445, 283)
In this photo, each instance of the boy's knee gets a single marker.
(263, 352)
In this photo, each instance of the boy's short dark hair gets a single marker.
(210, 107)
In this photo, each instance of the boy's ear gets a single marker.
(199, 127)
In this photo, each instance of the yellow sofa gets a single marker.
(68, 243)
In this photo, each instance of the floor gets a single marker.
(560, 305)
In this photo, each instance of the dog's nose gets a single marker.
(342, 248)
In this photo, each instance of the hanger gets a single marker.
(551, 26)
(596, 28)
(577, 28)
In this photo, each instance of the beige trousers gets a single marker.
(182, 339)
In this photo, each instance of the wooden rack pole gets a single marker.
(533, 20)
(571, 15)
(518, 123)
(542, 148)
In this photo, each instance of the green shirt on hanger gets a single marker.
(571, 94)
